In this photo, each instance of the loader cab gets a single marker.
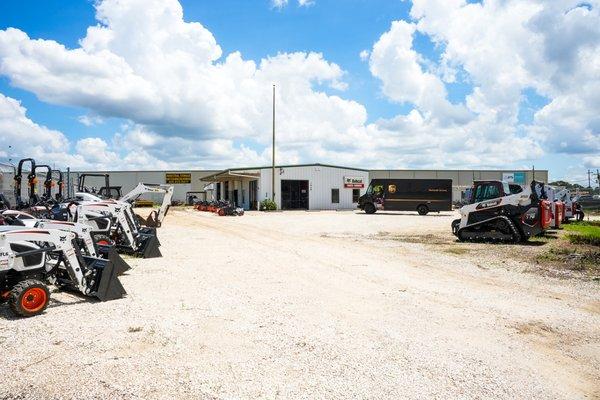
(487, 190)
(113, 192)
(515, 188)
(105, 191)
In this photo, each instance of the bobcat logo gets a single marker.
(62, 238)
(118, 209)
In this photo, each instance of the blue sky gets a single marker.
(254, 28)
(259, 30)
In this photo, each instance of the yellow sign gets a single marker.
(176, 179)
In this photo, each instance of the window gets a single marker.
(486, 192)
(355, 195)
(335, 196)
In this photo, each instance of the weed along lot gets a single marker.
(323, 305)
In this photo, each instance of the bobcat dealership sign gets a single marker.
(354, 182)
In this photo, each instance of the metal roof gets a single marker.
(300, 165)
(230, 172)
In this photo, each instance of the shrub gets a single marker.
(268, 205)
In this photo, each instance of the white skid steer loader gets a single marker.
(496, 214)
(31, 258)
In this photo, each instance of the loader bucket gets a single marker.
(108, 287)
(151, 221)
(150, 247)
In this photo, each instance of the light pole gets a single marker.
(273, 166)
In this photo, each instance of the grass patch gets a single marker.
(584, 232)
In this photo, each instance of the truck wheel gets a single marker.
(370, 208)
(29, 298)
(422, 209)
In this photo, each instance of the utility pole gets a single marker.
(273, 166)
(589, 179)
(598, 178)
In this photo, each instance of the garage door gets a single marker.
(294, 195)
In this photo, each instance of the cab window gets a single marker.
(486, 192)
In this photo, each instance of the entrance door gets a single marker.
(235, 198)
(294, 195)
(253, 189)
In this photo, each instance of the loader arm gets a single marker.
(109, 209)
(143, 188)
(60, 241)
(81, 230)
(64, 264)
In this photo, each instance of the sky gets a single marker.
(156, 84)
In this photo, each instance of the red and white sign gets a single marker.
(354, 182)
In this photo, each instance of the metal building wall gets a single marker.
(130, 179)
(321, 180)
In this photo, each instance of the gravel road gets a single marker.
(312, 305)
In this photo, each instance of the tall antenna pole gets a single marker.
(273, 167)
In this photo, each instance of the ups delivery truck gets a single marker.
(421, 195)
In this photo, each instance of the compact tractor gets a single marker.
(495, 213)
(32, 258)
(112, 222)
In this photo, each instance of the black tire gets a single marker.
(370, 208)
(29, 297)
(455, 226)
(422, 209)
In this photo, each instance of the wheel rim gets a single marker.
(34, 299)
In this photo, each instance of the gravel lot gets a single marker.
(314, 305)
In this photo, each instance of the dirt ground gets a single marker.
(315, 305)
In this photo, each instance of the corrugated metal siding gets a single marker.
(130, 179)
(321, 180)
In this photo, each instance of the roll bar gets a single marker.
(81, 182)
(18, 179)
(47, 182)
(60, 184)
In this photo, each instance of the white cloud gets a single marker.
(282, 3)
(188, 105)
(90, 120)
(306, 3)
(506, 47)
(398, 66)
(279, 3)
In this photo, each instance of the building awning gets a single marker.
(232, 175)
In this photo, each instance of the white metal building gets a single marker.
(302, 187)
(309, 186)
